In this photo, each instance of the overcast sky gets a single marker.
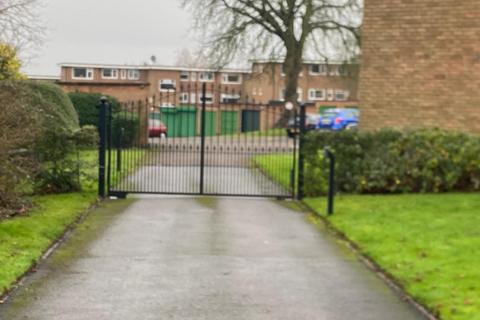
(111, 31)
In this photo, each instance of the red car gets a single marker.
(157, 129)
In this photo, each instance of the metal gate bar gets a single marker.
(215, 138)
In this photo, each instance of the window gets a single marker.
(167, 105)
(133, 74)
(318, 69)
(205, 76)
(82, 74)
(184, 97)
(167, 85)
(339, 70)
(316, 94)
(230, 98)
(184, 76)
(233, 78)
(193, 97)
(109, 74)
(342, 70)
(208, 98)
(123, 74)
(330, 95)
(194, 76)
(299, 92)
(342, 95)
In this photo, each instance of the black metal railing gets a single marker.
(200, 139)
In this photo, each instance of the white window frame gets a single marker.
(123, 74)
(225, 96)
(345, 93)
(312, 95)
(201, 76)
(88, 74)
(193, 76)
(209, 96)
(133, 74)
(113, 76)
(166, 81)
(193, 97)
(323, 70)
(167, 105)
(184, 73)
(184, 97)
(330, 95)
(299, 93)
(226, 81)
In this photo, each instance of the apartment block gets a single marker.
(321, 84)
(421, 64)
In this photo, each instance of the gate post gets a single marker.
(301, 152)
(202, 141)
(102, 131)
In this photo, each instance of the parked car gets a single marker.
(156, 128)
(293, 127)
(338, 119)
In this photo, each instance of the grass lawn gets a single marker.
(24, 239)
(429, 243)
(276, 166)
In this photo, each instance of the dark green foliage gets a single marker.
(86, 105)
(51, 104)
(389, 161)
(87, 137)
(125, 129)
(38, 122)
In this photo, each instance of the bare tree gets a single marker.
(291, 29)
(185, 58)
(19, 24)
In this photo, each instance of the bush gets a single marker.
(16, 163)
(125, 128)
(32, 113)
(86, 106)
(390, 161)
(87, 137)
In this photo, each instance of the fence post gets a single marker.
(202, 141)
(301, 152)
(331, 180)
(102, 128)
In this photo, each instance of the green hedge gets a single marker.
(86, 106)
(40, 126)
(391, 161)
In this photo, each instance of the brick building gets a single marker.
(325, 85)
(421, 64)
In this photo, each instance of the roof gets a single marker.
(306, 61)
(150, 67)
(42, 77)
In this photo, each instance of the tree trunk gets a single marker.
(292, 67)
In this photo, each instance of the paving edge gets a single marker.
(371, 264)
(49, 251)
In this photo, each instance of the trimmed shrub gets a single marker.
(86, 105)
(87, 137)
(125, 128)
(390, 161)
(33, 112)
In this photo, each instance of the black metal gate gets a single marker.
(199, 140)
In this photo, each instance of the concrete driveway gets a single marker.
(187, 258)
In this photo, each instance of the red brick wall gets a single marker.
(421, 64)
(124, 93)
